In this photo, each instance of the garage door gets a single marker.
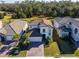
(8, 38)
(35, 39)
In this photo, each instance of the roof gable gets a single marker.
(7, 30)
(42, 22)
(18, 25)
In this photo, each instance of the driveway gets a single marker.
(35, 49)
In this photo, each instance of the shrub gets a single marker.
(48, 41)
(14, 51)
(16, 36)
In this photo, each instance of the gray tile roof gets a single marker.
(75, 21)
(66, 20)
(58, 19)
(62, 20)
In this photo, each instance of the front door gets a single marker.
(44, 37)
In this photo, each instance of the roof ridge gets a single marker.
(12, 28)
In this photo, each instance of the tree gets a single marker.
(29, 8)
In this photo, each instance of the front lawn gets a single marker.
(52, 50)
(22, 53)
(68, 55)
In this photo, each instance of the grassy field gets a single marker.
(52, 50)
(33, 18)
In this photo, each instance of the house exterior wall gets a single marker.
(75, 35)
(77, 44)
(25, 27)
(56, 24)
(34, 26)
(63, 34)
(47, 31)
(9, 38)
(35, 39)
(0, 39)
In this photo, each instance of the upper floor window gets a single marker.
(76, 30)
(70, 23)
(49, 32)
(43, 30)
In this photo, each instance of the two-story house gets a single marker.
(41, 29)
(68, 26)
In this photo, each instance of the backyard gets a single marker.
(65, 46)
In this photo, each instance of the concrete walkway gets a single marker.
(36, 51)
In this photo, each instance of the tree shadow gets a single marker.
(34, 45)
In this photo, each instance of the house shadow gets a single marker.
(34, 45)
(7, 42)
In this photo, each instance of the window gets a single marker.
(43, 30)
(49, 32)
(70, 23)
(76, 30)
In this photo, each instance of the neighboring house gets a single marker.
(62, 25)
(41, 29)
(9, 30)
(71, 28)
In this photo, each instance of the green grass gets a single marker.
(7, 19)
(68, 55)
(52, 50)
(31, 18)
(77, 52)
(22, 53)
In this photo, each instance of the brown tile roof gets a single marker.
(42, 22)
(35, 22)
(48, 22)
(18, 25)
(14, 27)
(7, 30)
